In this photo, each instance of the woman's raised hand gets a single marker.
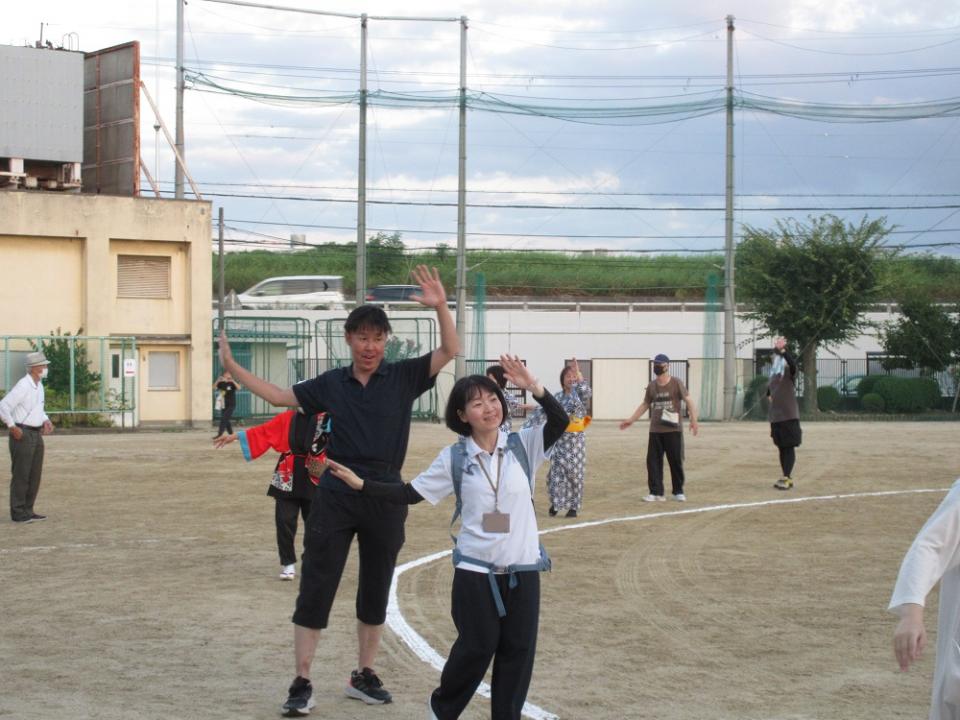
(345, 474)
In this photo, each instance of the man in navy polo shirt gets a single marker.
(370, 401)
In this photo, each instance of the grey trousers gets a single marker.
(26, 459)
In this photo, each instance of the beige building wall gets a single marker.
(60, 251)
(618, 386)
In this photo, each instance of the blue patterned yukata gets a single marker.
(569, 459)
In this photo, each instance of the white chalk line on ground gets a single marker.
(421, 648)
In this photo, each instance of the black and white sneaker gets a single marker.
(300, 698)
(366, 686)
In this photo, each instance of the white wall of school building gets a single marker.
(116, 266)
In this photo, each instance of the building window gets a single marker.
(115, 366)
(143, 276)
(163, 371)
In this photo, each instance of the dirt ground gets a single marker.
(152, 590)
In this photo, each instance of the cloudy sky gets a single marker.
(285, 160)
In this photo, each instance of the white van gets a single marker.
(312, 292)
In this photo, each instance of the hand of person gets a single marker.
(625, 424)
(16, 433)
(47, 428)
(910, 637)
(431, 293)
(221, 440)
(694, 427)
(345, 474)
(518, 373)
(576, 370)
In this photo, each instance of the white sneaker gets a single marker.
(680, 497)
(289, 572)
(653, 498)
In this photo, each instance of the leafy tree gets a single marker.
(925, 337)
(811, 282)
(385, 258)
(57, 349)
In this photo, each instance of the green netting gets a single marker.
(712, 373)
(478, 343)
(411, 337)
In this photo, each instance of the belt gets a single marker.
(29, 427)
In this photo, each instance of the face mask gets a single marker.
(659, 369)
(44, 373)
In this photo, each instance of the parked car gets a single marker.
(392, 294)
(847, 387)
(313, 292)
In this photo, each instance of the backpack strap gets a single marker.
(458, 457)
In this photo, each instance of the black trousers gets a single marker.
(335, 517)
(26, 461)
(510, 641)
(225, 416)
(671, 445)
(286, 515)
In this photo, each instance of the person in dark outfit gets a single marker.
(227, 387)
(663, 398)
(784, 412)
(496, 584)
(301, 441)
(371, 402)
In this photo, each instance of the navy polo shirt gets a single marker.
(371, 424)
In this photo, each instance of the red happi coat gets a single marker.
(298, 438)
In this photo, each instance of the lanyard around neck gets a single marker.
(495, 488)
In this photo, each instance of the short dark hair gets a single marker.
(464, 390)
(367, 317)
(564, 372)
(498, 375)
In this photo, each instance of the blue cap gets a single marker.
(661, 358)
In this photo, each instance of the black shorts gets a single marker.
(335, 517)
(786, 433)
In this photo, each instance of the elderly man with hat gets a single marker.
(663, 398)
(21, 410)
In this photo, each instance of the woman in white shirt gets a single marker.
(496, 584)
(934, 556)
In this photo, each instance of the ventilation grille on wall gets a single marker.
(143, 276)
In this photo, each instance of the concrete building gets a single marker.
(116, 266)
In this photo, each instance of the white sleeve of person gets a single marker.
(435, 483)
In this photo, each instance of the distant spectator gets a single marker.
(784, 412)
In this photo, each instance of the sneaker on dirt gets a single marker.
(300, 698)
(366, 686)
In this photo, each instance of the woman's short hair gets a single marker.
(498, 375)
(566, 369)
(465, 390)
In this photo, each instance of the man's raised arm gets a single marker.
(432, 294)
(273, 394)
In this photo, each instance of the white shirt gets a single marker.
(520, 546)
(935, 555)
(23, 405)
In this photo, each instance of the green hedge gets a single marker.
(866, 385)
(907, 395)
(828, 398)
(872, 402)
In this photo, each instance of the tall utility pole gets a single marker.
(220, 312)
(178, 170)
(460, 366)
(362, 171)
(729, 296)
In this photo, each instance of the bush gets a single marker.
(873, 403)
(866, 385)
(828, 398)
(755, 400)
(906, 395)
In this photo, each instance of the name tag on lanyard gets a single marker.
(496, 521)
